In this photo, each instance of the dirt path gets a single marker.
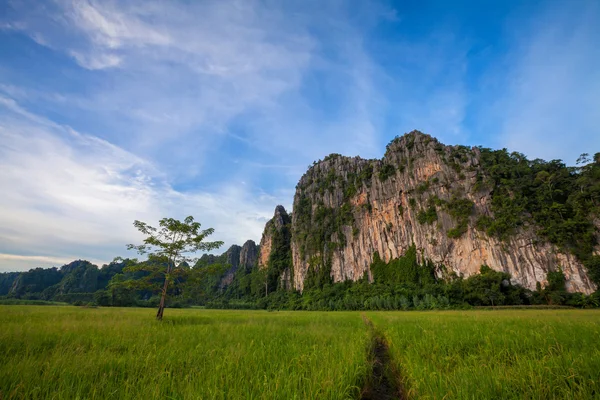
(384, 382)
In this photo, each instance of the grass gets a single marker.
(516, 354)
(104, 353)
(70, 353)
(19, 302)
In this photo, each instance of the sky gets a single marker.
(115, 111)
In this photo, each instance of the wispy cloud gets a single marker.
(180, 73)
(71, 193)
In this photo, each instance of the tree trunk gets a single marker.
(161, 305)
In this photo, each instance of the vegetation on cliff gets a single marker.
(534, 200)
(561, 201)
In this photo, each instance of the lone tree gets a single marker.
(172, 241)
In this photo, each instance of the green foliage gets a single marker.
(7, 280)
(167, 248)
(423, 187)
(402, 270)
(35, 281)
(400, 210)
(593, 267)
(318, 274)
(386, 171)
(559, 199)
(490, 288)
(458, 156)
(174, 239)
(427, 216)
(280, 258)
(410, 142)
(366, 173)
(332, 156)
(457, 231)
(460, 209)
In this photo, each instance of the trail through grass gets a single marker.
(49, 352)
(520, 354)
(384, 382)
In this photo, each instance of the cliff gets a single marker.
(448, 200)
(234, 258)
(275, 250)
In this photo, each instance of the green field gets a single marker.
(101, 353)
(508, 354)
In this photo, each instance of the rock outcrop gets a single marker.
(235, 257)
(231, 257)
(347, 209)
(248, 255)
(276, 224)
(275, 248)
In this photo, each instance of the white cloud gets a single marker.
(74, 194)
(111, 28)
(181, 73)
(96, 61)
(24, 263)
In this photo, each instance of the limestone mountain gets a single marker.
(461, 207)
(234, 258)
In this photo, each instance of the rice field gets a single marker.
(508, 354)
(49, 352)
(78, 353)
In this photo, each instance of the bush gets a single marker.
(386, 171)
(428, 216)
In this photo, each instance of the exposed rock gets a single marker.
(232, 258)
(346, 209)
(248, 255)
(280, 220)
(236, 257)
(285, 281)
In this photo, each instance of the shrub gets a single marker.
(386, 172)
(428, 216)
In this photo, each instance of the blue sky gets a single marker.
(112, 111)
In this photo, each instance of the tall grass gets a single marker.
(517, 354)
(78, 353)
(71, 353)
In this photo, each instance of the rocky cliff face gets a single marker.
(236, 257)
(421, 192)
(280, 220)
(248, 254)
(275, 248)
(231, 257)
